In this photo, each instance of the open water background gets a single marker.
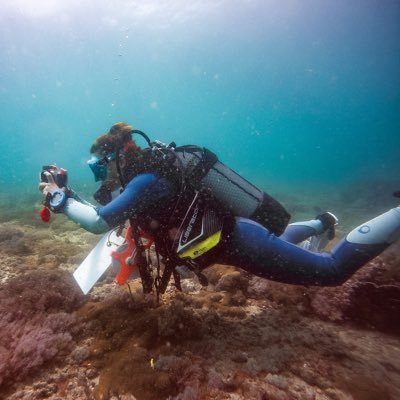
(294, 95)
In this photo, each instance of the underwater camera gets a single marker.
(60, 175)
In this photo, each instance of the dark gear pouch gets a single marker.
(200, 230)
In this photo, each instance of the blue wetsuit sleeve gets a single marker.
(141, 193)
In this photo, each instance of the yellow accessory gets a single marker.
(202, 247)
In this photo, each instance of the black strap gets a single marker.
(166, 276)
(145, 275)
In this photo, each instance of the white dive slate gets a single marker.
(97, 262)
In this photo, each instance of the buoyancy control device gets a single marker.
(200, 169)
(213, 191)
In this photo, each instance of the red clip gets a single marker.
(45, 214)
(124, 257)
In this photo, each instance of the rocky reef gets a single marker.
(242, 337)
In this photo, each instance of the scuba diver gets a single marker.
(199, 212)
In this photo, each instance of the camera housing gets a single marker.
(60, 175)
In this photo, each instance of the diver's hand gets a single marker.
(50, 186)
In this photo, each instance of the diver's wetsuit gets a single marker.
(249, 245)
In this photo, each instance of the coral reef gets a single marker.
(242, 337)
(371, 297)
(35, 321)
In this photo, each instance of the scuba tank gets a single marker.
(234, 192)
(201, 170)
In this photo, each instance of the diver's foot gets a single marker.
(329, 221)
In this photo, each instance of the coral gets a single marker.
(331, 303)
(40, 291)
(240, 338)
(10, 233)
(33, 343)
(13, 241)
(175, 322)
(370, 298)
(186, 371)
(35, 317)
(288, 295)
(227, 278)
(80, 353)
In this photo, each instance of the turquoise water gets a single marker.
(289, 93)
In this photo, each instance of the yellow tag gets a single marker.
(203, 246)
(152, 363)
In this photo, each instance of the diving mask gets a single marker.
(98, 165)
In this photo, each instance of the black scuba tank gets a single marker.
(203, 170)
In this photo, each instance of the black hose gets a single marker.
(143, 135)
(121, 179)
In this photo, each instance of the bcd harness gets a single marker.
(210, 194)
